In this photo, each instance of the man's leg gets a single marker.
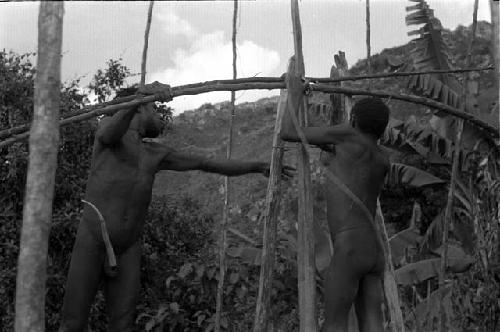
(369, 303)
(341, 286)
(83, 280)
(122, 291)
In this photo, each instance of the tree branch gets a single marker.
(255, 84)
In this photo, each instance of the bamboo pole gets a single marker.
(305, 242)
(227, 192)
(44, 141)
(454, 174)
(273, 198)
(145, 49)
(489, 130)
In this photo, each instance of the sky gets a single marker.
(190, 41)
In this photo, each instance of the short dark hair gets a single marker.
(125, 92)
(371, 115)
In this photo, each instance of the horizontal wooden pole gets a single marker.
(22, 128)
(489, 129)
(235, 85)
(400, 74)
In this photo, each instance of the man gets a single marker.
(126, 157)
(357, 265)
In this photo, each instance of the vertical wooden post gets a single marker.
(495, 37)
(305, 241)
(368, 48)
(227, 192)
(146, 39)
(389, 282)
(342, 67)
(43, 147)
(337, 114)
(454, 174)
(271, 221)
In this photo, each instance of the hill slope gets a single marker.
(205, 130)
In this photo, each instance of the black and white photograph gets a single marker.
(250, 165)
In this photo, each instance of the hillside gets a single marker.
(205, 131)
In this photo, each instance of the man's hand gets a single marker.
(162, 91)
(287, 172)
(155, 140)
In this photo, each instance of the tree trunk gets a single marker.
(44, 139)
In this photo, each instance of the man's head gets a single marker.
(146, 121)
(370, 116)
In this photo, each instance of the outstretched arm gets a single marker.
(314, 135)
(180, 161)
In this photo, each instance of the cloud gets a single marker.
(174, 25)
(210, 57)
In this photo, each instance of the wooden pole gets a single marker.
(495, 38)
(337, 114)
(44, 141)
(234, 85)
(454, 174)
(343, 69)
(273, 198)
(227, 192)
(146, 39)
(305, 241)
(4, 133)
(389, 282)
(368, 48)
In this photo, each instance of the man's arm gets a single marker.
(314, 135)
(111, 129)
(179, 161)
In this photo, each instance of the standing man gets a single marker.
(357, 266)
(127, 155)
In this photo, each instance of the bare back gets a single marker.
(362, 167)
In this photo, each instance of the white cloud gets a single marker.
(173, 24)
(209, 58)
